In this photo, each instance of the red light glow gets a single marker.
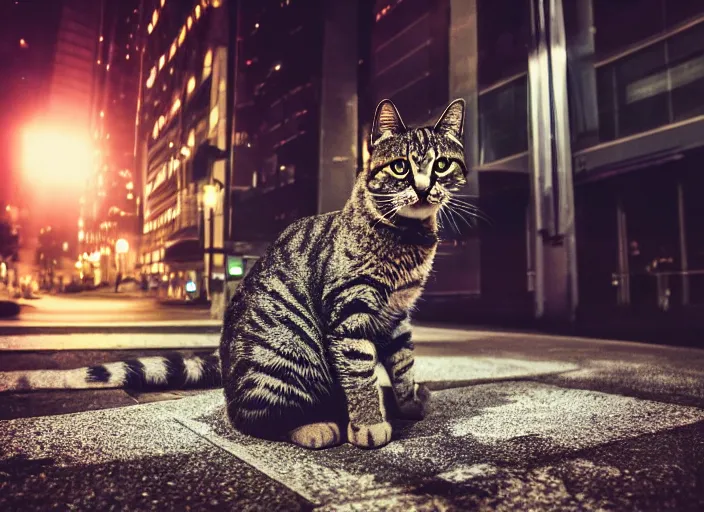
(54, 156)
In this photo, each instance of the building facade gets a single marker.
(604, 217)
(639, 135)
(229, 104)
(296, 115)
(74, 73)
(108, 224)
(181, 114)
(256, 113)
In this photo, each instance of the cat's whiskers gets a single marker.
(387, 216)
(471, 210)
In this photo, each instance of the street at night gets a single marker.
(108, 308)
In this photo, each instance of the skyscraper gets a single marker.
(182, 109)
(110, 204)
(296, 113)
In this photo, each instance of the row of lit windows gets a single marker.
(108, 225)
(155, 18)
(177, 43)
(152, 257)
(163, 219)
(180, 39)
(90, 237)
(163, 120)
(386, 9)
(169, 168)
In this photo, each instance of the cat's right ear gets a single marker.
(387, 122)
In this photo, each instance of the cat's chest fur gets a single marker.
(402, 269)
(408, 288)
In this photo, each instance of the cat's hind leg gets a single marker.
(316, 435)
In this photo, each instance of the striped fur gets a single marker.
(328, 301)
(170, 371)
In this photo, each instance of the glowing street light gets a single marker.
(55, 156)
(210, 196)
(122, 246)
(210, 200)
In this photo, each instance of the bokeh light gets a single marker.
(55, 155)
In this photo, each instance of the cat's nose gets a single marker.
(422, 182)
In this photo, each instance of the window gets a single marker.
(503, 38)
(287, 174)
(503, 121)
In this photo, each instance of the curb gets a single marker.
(9, 309)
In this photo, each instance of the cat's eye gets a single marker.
(443, 167)
(398, 169)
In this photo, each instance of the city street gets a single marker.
(91, 308)
(519, 422)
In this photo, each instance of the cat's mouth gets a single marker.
(423, 203)
(421, 209)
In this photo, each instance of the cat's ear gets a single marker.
(387, 122)
(451, 122)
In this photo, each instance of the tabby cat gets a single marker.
(328, 300)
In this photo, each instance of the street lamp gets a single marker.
(121, 248)
(210, 196)
(210, 201)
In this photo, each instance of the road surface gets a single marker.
(520, 421)
(93, 309)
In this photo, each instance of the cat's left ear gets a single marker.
(451, 122)
(387, 122)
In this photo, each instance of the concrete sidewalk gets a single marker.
(519, 422)
(145, 340)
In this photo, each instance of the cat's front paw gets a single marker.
(369, 436)
(417, 407)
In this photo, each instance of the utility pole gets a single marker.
(552, 197)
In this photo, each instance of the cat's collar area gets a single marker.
(410, 231)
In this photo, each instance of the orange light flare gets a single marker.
(56, 156)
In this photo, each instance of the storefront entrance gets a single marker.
(639, 238)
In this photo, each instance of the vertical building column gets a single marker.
(624, 273)
(463, 83)
(337, 162)
(551, 165)
(684, 261)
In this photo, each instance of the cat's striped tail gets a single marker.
(170, 371)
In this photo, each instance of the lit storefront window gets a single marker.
(207, 64)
